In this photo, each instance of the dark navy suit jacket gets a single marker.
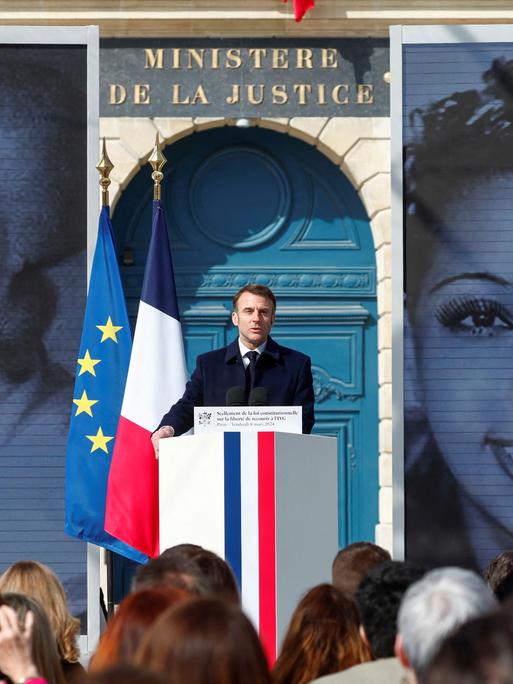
(285, 373)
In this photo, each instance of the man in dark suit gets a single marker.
(253, 360)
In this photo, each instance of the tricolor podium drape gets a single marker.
(267, 502)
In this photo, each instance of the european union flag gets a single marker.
(99, 386)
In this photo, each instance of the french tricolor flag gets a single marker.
(156, 380)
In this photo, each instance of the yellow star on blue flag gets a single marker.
(84, 404)
(109, 330)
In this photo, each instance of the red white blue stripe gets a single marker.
(218, 490)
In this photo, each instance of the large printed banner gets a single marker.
(453, 214)
(48, 143)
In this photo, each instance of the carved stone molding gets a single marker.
(305, 282)
(326, 386)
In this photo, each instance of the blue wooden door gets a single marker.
(259, 206)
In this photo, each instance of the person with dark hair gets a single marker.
(43, 646)
(322, 638)
(190, 567)
(459, 273)
(378, 599)
(253, 360)
(39, 582)
(16, 658)
(125, 674)
(125, 630)
(353, 562)
(480, 652)
(499, 575)
(204, 641)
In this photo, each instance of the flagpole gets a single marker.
(157, 161)
(104, 168)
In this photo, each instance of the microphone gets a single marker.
(258, 397)
(236, 396)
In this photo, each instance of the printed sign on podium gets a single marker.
(248, 419)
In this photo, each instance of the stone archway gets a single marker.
(361, 148)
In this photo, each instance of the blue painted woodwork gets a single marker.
(259, 206)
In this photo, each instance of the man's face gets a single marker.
(254, 317)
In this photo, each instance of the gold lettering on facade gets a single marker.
(279, 94)
(329, 58)
(256, 54)
(304, 58)
(176, 95)
(364, 93)
(117, 94)
(235, 95)
(175, 61)
(256, 99)
(154, 60)
(233, 58)
(312, 91)
(195, 56)
(141, 94)
(200, 96)
(280, 58)
(215, 58)
(302, 90)
(335, 94)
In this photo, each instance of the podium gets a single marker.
(267, 502)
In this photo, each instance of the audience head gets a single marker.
(499, 575)
(378, 599)
(44, 647)
(353, 562)
(480, 652)
(125, 674)
(204, 641)
(192, 568)
(127, 627)
(434, 607)
(323, 637)
(42, 584)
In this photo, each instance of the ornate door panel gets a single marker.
(258, 206)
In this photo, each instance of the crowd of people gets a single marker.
(378, 621)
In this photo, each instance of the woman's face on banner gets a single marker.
(464, 339)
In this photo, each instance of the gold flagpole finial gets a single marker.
(104, 167)
(157, 161)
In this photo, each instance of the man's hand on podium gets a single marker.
(164, 431)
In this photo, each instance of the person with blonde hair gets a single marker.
(40, 583)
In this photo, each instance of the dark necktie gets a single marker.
(252, 356)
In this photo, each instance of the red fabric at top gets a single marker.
(301, 7)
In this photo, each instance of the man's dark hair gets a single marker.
(254, 288)
(190, 567)
(499, 575)
(480, 652)
(379, 597)
(353, 562)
